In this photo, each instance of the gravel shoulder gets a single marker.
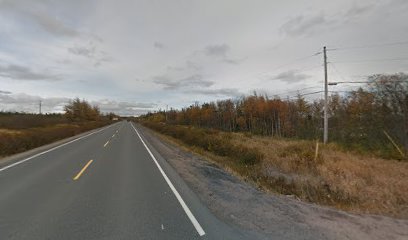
(239, 203)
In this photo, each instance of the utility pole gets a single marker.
(40, 106)
(326, 108)
(167, 107)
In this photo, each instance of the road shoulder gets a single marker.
(243, 205)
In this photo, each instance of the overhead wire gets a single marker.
(369, 46)
(373, 60)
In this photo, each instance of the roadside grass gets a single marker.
(16, 141)
(345, 180)
(17, 121)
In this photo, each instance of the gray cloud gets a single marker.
(36, 34)
(123, 108)
(192, 65)
(28, 103)
(4, 92)
(309, 25)
(234, 61)
(218, 50)
(176, 69)
(53, 25)
(83, 51)
(188, 66)
(290, 76)
(195, 80)
(90, 52)
(358, 11)
(221, 51)
(18, 72)
(49, 23)
(301, 25)
(227, 92)
(159, 45)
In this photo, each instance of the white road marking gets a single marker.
(106, 143)
(181, 201)
(162, 227)
(49, 150)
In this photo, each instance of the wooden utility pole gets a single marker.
(167, 109)
(326, 108)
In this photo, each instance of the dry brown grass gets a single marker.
(9, 131)
(346, 180)
(14, 141)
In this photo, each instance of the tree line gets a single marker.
(372, 118)
(81, 110)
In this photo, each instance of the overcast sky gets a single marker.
(133, 56)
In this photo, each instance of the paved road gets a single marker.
(109, 184)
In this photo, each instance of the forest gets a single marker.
(373, 118)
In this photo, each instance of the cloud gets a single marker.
(303, 26)
(356, 11)
(19, 72)
(234, 61)
(290, 76)
(4, 92)
(90, 52)
(219, 50)
(228, 92)
(159, 45)
(124, 108)
(83, 51)
(53, 25)
(28, 103)
(176, 69)
(309, 25)
(192, 65)
(195, 80)
(43, 19)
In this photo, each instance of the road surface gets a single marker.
(107, 184)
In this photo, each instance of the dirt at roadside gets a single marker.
(279, 217)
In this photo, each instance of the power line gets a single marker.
(312, 93)
(374, 60)
(294, 91)
(337, 71)
(369, 46)
(297, 60)
(259, 74)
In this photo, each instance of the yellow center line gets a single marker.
(106, 143)
(82, 170)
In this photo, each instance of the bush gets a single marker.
(209, 140)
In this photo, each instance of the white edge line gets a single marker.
(49, 150)
(181, 201)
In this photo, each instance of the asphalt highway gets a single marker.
(107, 184)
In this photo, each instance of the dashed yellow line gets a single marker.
(83, 170)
